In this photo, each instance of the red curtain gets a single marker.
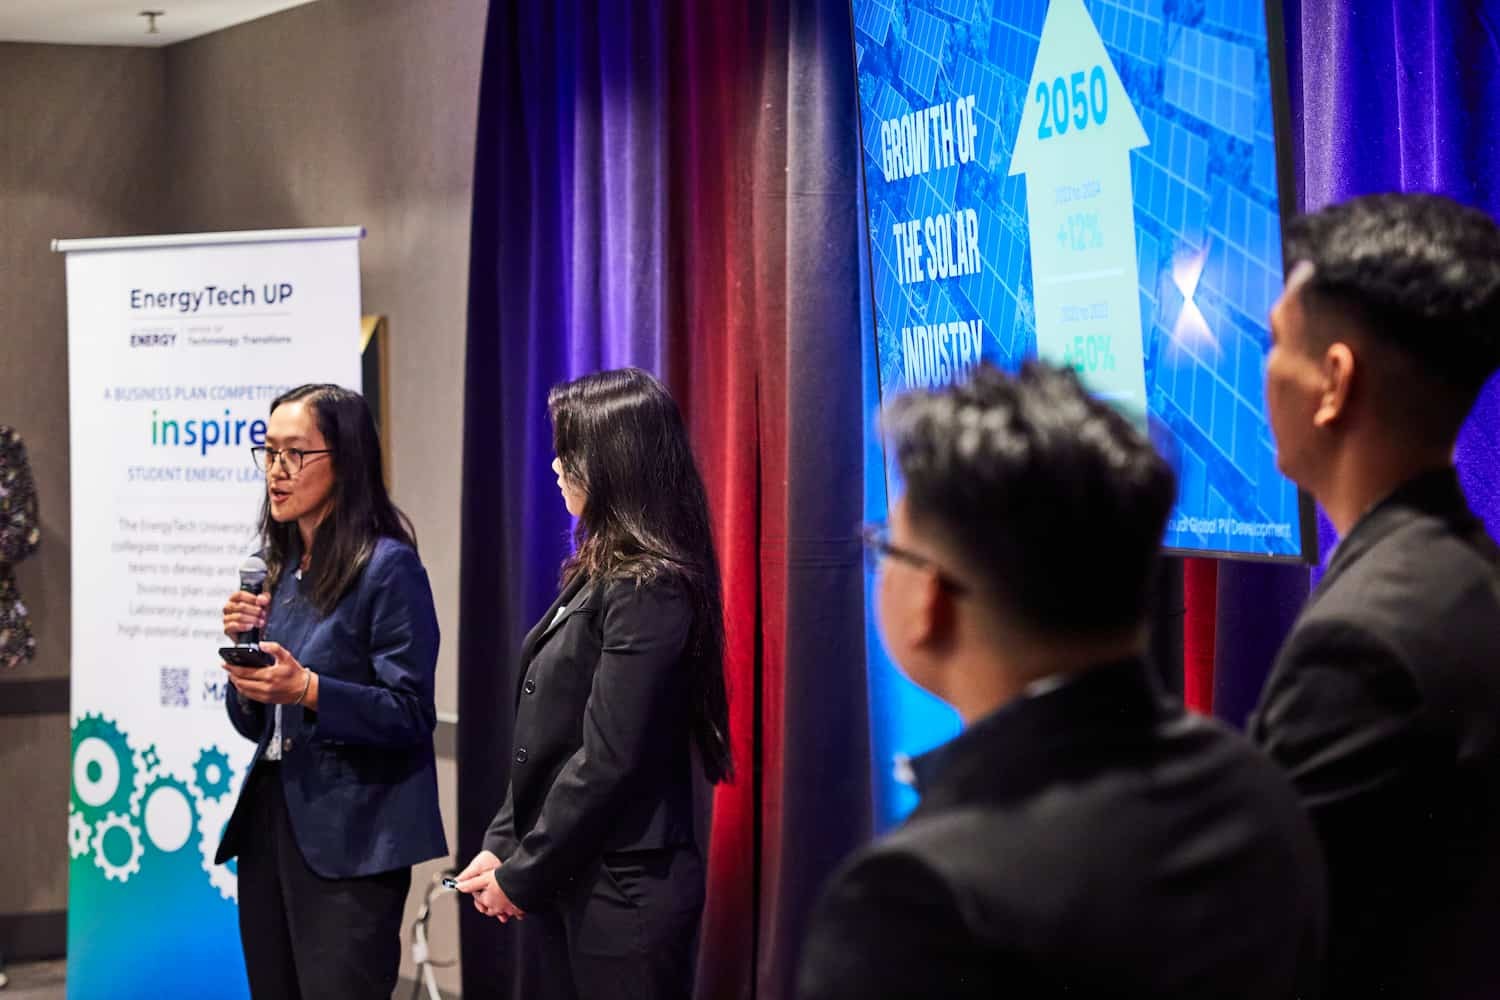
(766, 362)
(1200, 591)
(674, 185)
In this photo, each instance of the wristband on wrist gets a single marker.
(306, 683)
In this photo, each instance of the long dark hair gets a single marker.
(620, 436)
(361, 512)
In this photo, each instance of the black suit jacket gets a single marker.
(1384, 706)
(602, 757)
(1091, 841)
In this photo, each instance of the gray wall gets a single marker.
(82, 131)
(360, 112)
(339, 112)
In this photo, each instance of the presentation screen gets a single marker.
(1094, 182)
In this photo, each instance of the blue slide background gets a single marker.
(1205, 197)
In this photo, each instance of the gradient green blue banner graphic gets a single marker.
(177, 345)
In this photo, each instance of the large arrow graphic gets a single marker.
(1077, 132)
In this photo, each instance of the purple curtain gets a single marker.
(1386, 95)
(672, 184)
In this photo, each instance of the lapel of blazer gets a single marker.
(561, 609)
(1035, 739)
(1361, 538)
(1435, 493)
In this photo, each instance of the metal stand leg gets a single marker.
(421, 953)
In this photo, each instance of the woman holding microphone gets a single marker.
(618, 684)
(341, 798)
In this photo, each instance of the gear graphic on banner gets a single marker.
(168, 813)
(212, 774)
(148, 767)
(107, 853)
(125, 801)
(104, 768)
(213, 816)
(79, 834)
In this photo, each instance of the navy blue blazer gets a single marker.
(359, 773)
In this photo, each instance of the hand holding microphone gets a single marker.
(244, 614)
(245, 611)
(263, 672)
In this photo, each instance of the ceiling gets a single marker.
(118, 22)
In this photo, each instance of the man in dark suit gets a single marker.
(1384, 703)
(1084, 836)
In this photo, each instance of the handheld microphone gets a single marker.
(252, 581)
(246, 651)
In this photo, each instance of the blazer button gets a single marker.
(286, 745)
(521, 755)
(529, 687)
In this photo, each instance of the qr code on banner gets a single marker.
(174, 687)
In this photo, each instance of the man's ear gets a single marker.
(1339, 369)
(932, 612)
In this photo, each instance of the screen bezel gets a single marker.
(1288, 199)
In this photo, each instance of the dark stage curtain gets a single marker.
(672, 185)
(1386, 95)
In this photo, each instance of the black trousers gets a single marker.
(305, 935)
(627, 931)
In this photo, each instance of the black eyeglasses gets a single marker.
(877, 539)
(291, 459)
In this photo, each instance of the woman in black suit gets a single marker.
(619, 682)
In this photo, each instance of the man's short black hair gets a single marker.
(1048, 500)
(1418, 272)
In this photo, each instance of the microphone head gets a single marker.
(253, 574)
